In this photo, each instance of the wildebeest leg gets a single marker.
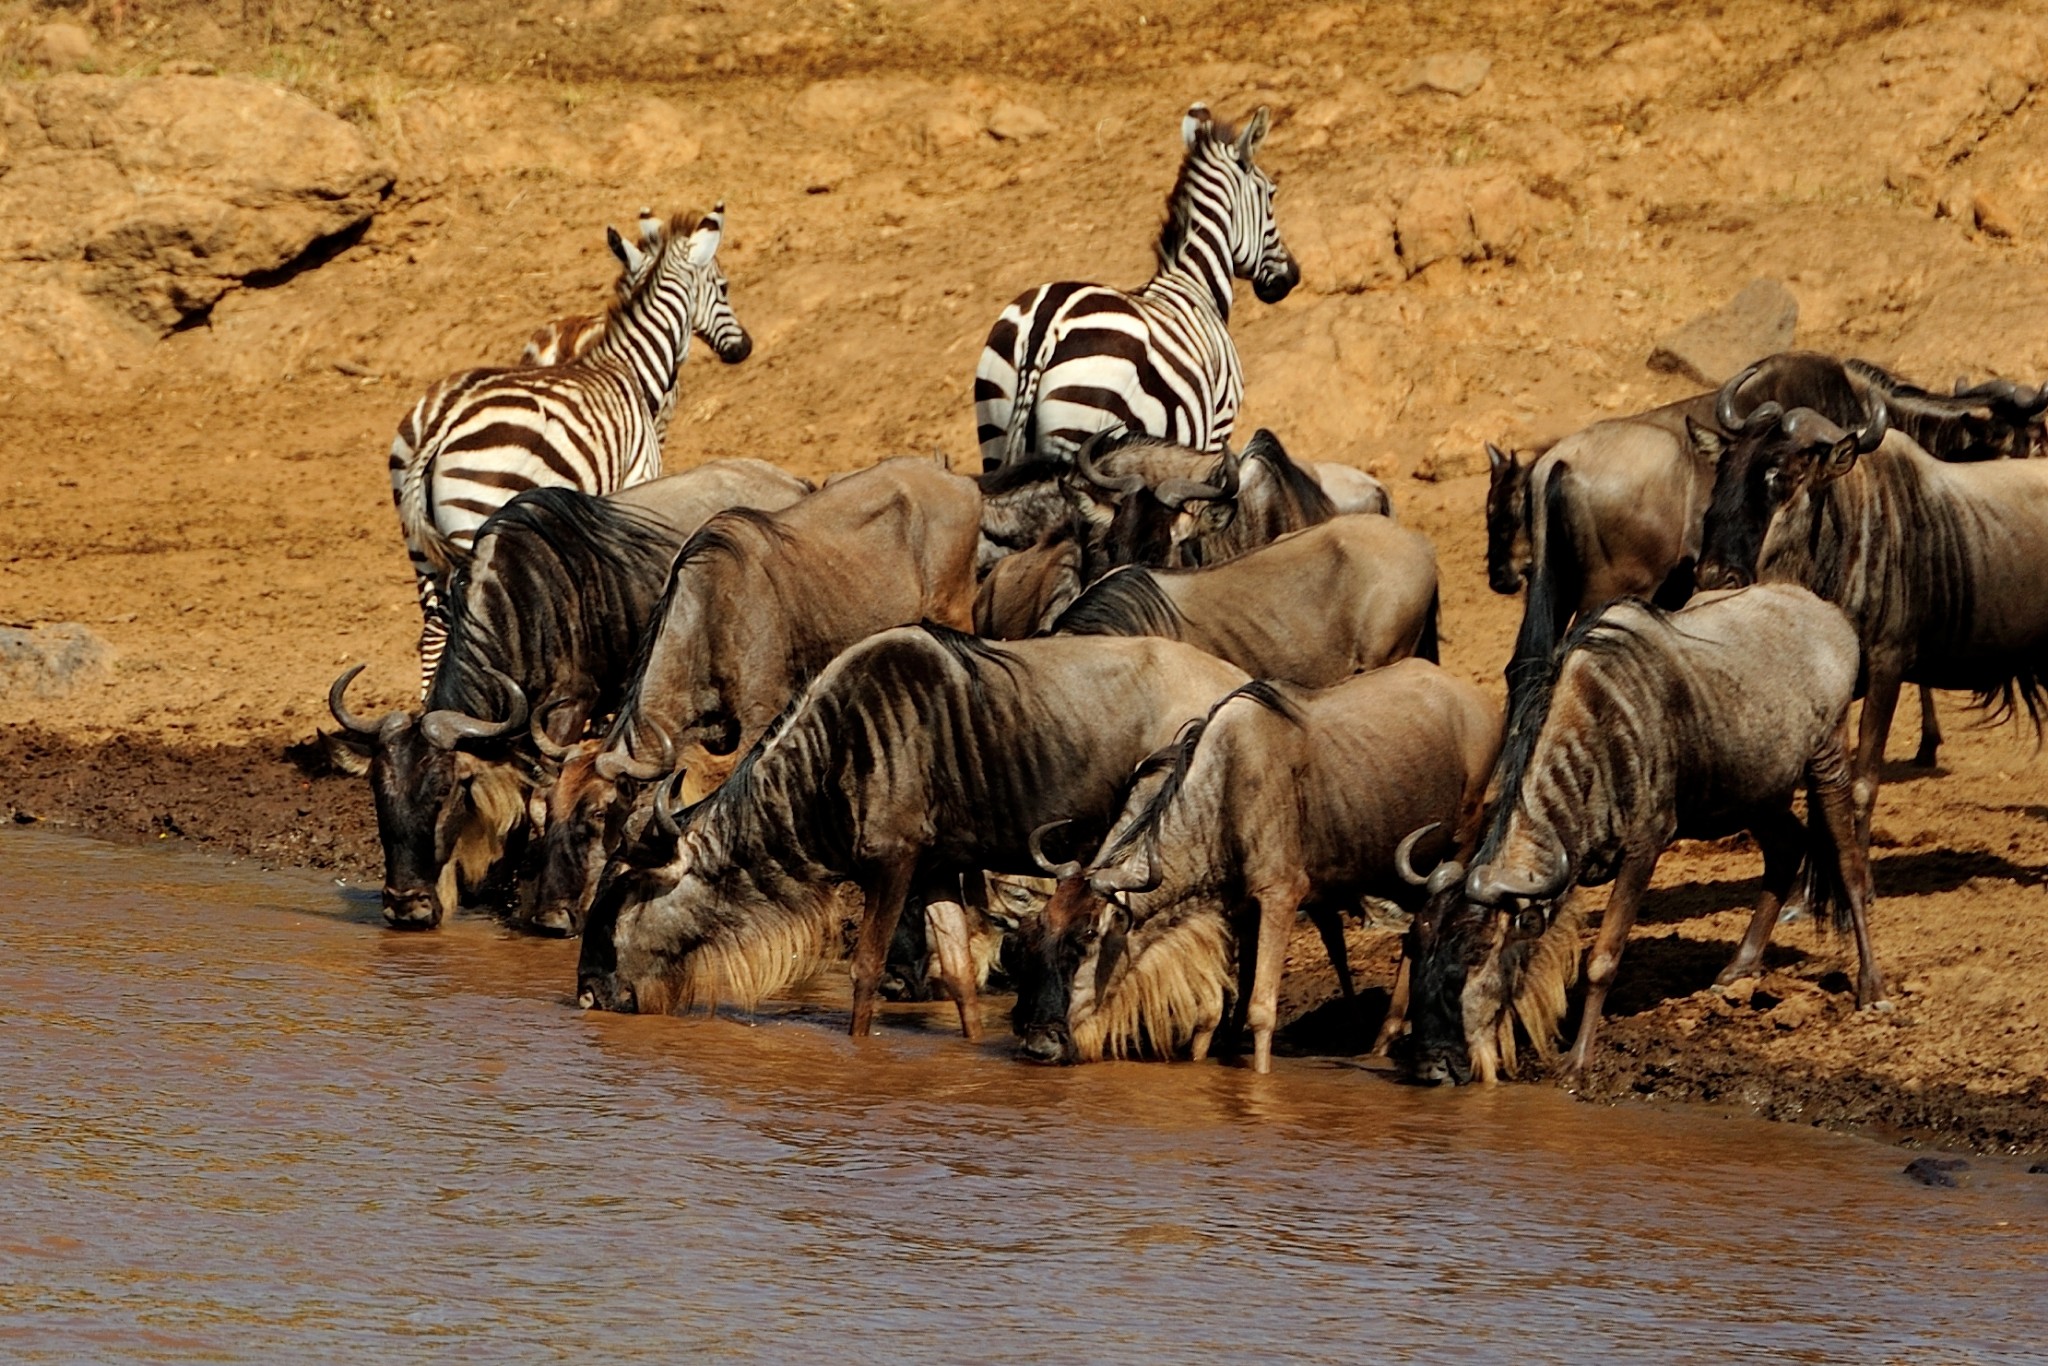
(1605, 961)
(1397, 1010)
(1930, 730)
(1782, 837)
(887, 886)
(951, 939)
(1874, 729)
(1329, 923)
(1829, 790)
(1277, 909)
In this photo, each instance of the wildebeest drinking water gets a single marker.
(1280, 800)
(757, 604)
(1654, 726)
(918, 756)
(548, 613)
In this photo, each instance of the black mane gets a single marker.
(1124, 602)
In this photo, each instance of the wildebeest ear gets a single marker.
(1498, 459)
(1839, 460)
(1706, 440)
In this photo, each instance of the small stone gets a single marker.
(1757, 322)
(1452, 73)
(1435, 221)
(49, 661)
(1014, 122)
(945, 130)
(436, 61)
(1739, 992)
(1936, 1171)
(1991, 217)
(185, 66)
(60, 46)
(2038, 1169)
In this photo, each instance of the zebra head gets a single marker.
(1231, 175)
(689, 265)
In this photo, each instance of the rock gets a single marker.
(185, 66)
(1991, 217)
(1757, 322)
(945, 129)
(436, 61)
(1506, 217)
(1342, 248)
(49, 661)
(1014, 122)
(2038, 1169)
(1794, 1012)
(175, 189)
(651, 140)
(1935, 1171)
(1434, 222)
(846, 102)
(60, 47)
(1452, 73)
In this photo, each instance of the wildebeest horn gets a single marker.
(615, 764)
(1127, 879)
(1805, 428)
(665, 804)
(1724, 406)
(336, 692)
(1448, 874)
(1489, 888)
(447, 728)
(1871, 434)
(2030, 402)
(1404, 855)
(542, 741)
(1062, 871)
(1084, 461)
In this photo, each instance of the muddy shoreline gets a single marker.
(254, 802)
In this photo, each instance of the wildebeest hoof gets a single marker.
(1880, 1006)
(1936, 1171)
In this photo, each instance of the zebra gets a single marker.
(1067, 360)
(564, 339)
(595, 423)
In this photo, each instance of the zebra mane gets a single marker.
(1180, 200)
(1123, 602)
(675, 236)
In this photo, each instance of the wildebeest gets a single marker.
(1024, 593)
(1941, 568)
(919, 755)
(1653, 726)
(756, 605)
(1311, 608)
(1281, 799)
(1351, 489)
(549, 615)
(1616, 510)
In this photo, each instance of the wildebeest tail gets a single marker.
(1426, 645)
(2025, 688)
(1555, 583)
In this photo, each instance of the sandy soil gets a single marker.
(215, 503)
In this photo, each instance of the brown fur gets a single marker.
(785, 944)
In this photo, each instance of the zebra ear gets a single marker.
(1195, 125)
(704, 241)
(630, 256)
(1254, 134)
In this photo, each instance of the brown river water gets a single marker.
(239, 1120)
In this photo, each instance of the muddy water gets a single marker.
(239, 1120)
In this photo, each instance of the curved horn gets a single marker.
(538, 730)
(1084, 461)
(2029, 402)
(1227, 471)
(1804, 427)
(1404, 855)
(447, 728)
(1141, 878)
(1871, 434)
(615, 764)
(1447, 875)
(666, 806)
(336, 693)
(1062, 871)
(1724, 405)
(1489, 888)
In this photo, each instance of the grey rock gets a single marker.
(1936, 1171)
(1757, 322)
(49, 661)
(1452, 73)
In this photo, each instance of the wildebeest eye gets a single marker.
(1529, 923)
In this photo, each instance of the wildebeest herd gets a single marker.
(1111, 715)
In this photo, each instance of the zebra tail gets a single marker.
(416, 516)
(1017, 436)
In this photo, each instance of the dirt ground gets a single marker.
(214, 502)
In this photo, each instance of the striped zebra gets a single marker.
(565, 339)
(596, 423)
(1067, 360)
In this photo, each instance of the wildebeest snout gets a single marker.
(419, 910)
(606, 991)
(1047, 1043)
(1715, 576)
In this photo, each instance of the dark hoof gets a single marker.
(1935, 1171)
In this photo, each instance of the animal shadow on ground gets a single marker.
(1336, 1028)
(1668, 967)
(1922, 871)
